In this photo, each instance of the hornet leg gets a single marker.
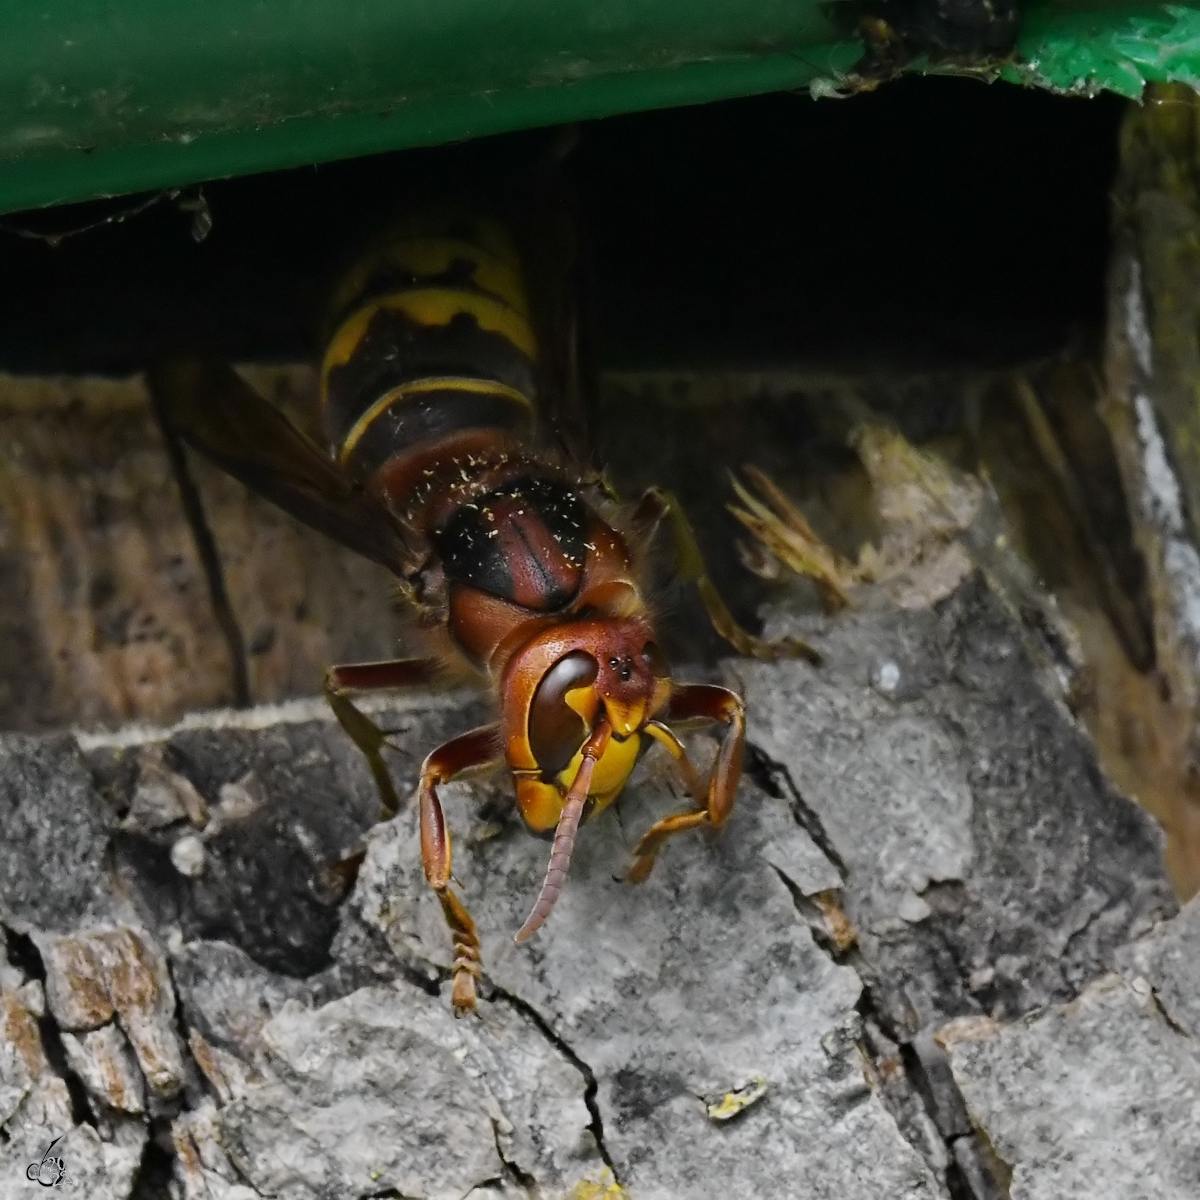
(657, 506)
(715, 800)
(480, 747)
(366, 735)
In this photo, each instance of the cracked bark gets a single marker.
(596, 1125)
(932, 1117)
(955, 863)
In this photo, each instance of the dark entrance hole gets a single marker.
(934, 221)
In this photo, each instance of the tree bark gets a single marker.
(924, 959)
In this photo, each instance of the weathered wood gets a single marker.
(104, 608)
(1152, 361)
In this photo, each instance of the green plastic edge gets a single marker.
(60, 178)
(1083, 53)
(1072, 52)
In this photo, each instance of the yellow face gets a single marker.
(541, 803)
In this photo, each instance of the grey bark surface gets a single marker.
(929, 933)
(1076, 1096)
(990, 867)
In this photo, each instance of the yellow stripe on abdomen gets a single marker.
(460, 385)
(432, 307)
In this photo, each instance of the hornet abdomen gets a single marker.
(428, 393)
(432, 364)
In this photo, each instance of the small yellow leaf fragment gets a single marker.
(602, 1187)
(737, 1101)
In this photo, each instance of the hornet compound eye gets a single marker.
(556, 731)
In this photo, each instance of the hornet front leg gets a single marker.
(477, 749)
(715, 799)
(469, 751)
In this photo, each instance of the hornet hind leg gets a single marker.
(657, 506)
(365, 734)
